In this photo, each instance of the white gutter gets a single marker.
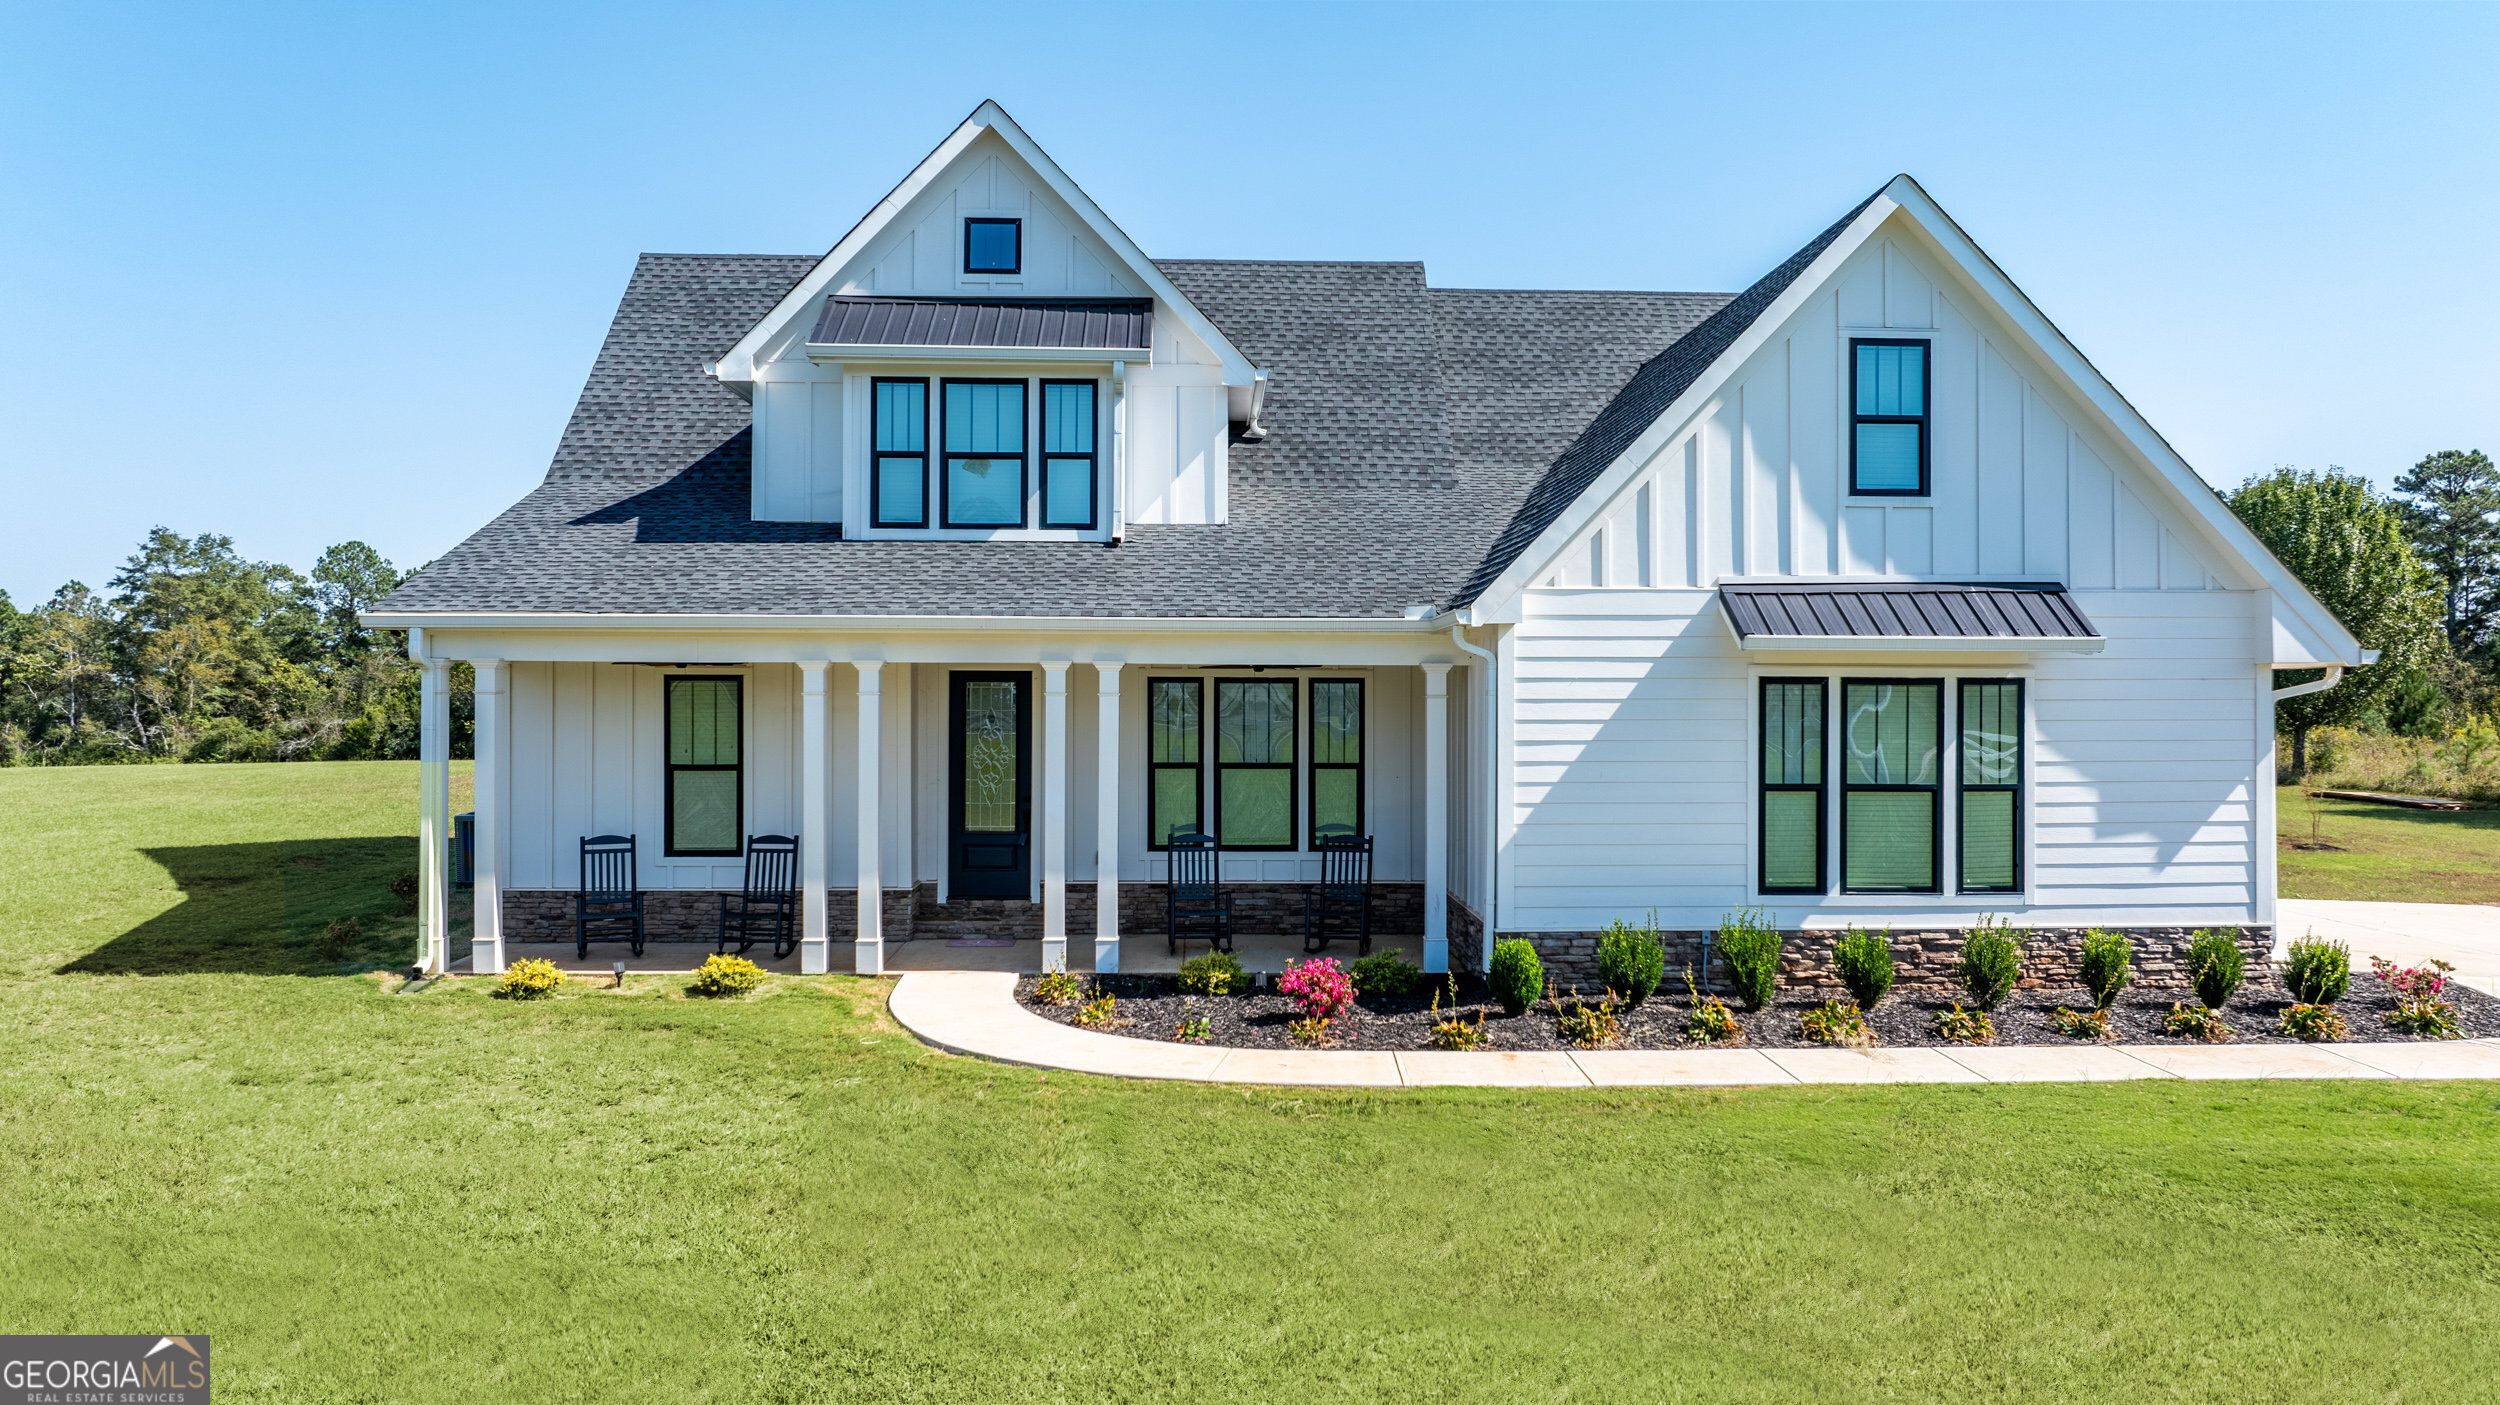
(891, 624)
(1492, 814)
(2334, 675)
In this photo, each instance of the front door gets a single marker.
(990, 801)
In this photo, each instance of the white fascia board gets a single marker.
(985, 355)
(1918, 644)
(738, 363)
(2121, 419)
(886, 624)
(1500, 600)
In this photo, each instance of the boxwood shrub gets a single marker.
(1631, 961)
(1517, 977)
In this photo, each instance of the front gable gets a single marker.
(2029, 475)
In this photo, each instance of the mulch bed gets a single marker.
(1152, 1007)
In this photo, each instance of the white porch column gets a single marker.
(1107, 817)
(868, 955)
(494, 797)
(434, 816)
(815, 815)
(1054, 815)
(1436, 817)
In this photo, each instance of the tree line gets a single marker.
(192, 653)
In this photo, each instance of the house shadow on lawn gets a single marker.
(262, 910)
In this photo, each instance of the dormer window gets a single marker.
(984, 431)
(1888, 420)
(900, 410)
(993, 246)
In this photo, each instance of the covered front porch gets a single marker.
(1010, 812)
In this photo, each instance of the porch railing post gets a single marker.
(434, 816)
(1054, 815)
(493, 799)
(815, 816)
(868, 955)
(1436, 817)
(1107, 817)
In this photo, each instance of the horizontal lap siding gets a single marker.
(1631, 767)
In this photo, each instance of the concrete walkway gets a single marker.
(2465, 935)
(975, 1012)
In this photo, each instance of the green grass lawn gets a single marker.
(2384, 853)
(631, 1195)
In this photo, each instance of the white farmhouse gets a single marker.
(984, 553)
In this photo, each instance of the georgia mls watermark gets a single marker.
(104, 1370)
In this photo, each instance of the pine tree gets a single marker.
(2454, 523)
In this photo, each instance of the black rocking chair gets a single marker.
(1342, 903)
(770, 903)
(1196, 904)
(609, 901)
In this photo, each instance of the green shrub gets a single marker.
(1863, 961)
(1751, 943)
(1517, 977)
(1386, 977)
(1590, 1025)
(2107, 959)
(723, 975)
(1964, 1026)
(1058, 988)
(1631, 961)
(1833, 1022)
(2080, 1024)
(2187, 1021)
(2216, 965)
(1990, 963)
(1215, 973)
(530, 979)
(2317, 971)
(2313, 1023)
(1712, 1021)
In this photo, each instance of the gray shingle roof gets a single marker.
(1418, 438)
(1125, 325)
(1922, 611)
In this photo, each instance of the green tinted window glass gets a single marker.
(1336, 801)
(1792, 734)
(1792, 821)
(706, 815)
(702, 722)
(1256, 808)
(1889, 733)
(1889, 839)
(1988, 839)
(1172, 708)
(1336, 722)
(1992, 734)
(1254, 722)
(1175, 802)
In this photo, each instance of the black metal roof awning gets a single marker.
(1908, 616)
(1041, 324)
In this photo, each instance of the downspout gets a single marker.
(1253, 430)
(1491, 816)
(1119, 451)
(2334, 675)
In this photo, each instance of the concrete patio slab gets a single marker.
(1687, 1068)
(1871, 1066)
(2252, 1060)
(2464, 1058)
(2039, 1063)
(1438, 1068)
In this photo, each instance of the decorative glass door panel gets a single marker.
(990, 855)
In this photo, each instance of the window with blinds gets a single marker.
(1888, 419)
(1336, 759)
(1891, 733)
(1173, 759)
(1992, 786)
(705, 786)
(1254, 763)
(899, 431)
(1791, 819)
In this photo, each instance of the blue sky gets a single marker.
(307, 274)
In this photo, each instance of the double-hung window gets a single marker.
(984, 435)
(1172, 758)
(1992, 785)
(705, 794)
(1792, 785)
(1891, 733)
(1888, 419)
(1068, 454)
(899, 419)
(1254, 763)
(1336, 758)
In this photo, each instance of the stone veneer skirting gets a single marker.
(1920, 960)
(693, 914)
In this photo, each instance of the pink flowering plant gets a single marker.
(2412, 982)
(1322, 988)
(2419, 1010)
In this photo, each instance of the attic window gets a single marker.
(1888, 420)
(993, 246)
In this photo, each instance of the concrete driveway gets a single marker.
(2466, 935)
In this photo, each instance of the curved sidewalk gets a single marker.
(975, 1012)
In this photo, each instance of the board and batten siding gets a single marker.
(1632, 781)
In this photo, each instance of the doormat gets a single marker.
(982, 941)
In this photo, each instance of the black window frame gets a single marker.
(877, 456)
(1292, 769)
(946, 456)
(1015, 224)
(1821, 789)
(1839, 759)
(670, 769)
(1196, 766)
(1310, 745)
(1043, 455)
(1963, 788)
(1926, 403)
